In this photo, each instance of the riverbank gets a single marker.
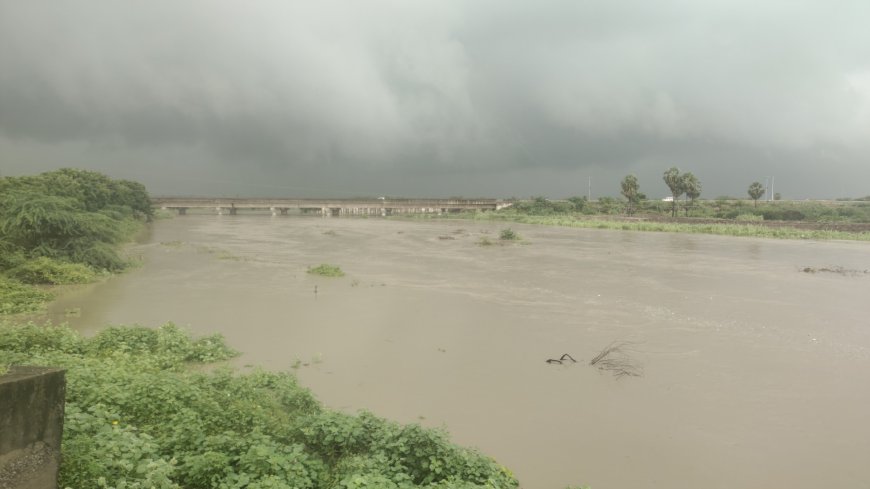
(721, 227)
(61, 228)
(142, 412)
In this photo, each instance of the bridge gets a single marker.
(330, 207)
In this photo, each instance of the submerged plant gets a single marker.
(508, 234)
(326, 270)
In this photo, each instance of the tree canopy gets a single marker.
(70, 215)
(630, 189)
(756, 190)
(674, 181)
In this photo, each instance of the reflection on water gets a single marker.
(755, 375)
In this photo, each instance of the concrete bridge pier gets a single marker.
(284, 210)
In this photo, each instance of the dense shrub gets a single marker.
(64, 227)
(17, 298)
(138, 416)
(44, 270)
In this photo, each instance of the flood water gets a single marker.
(754, 374)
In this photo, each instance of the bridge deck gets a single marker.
(337, 205)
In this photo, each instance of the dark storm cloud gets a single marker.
(439, 97)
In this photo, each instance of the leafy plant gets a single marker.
(508, 234)
(17, 298)
(140, 414)
(756, 190)
(326, 270)
(44, 270)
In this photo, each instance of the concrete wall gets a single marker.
(31, 425)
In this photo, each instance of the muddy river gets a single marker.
(754, 374)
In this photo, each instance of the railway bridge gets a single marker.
(329, 207)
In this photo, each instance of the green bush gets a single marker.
(44, 270)
(70, 216)
(508, 234)
(17, 298)
(139, 415)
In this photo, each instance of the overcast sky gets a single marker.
(440, 97)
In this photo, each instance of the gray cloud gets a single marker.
(439, 97)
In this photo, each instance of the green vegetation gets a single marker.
(45, 270)
(19, 298)
(756, 190)
(540, 206)
(630, 189)
(692, 189)
(725, 228)
(508, 234)
(142, 413)
(687, 184)
(326, 270)
(675, 184)
(63, 227)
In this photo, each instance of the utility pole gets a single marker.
(771, 189)
(589, 192)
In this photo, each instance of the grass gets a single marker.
(326, 270)
(742, 229)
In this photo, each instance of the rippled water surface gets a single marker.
(755, 374)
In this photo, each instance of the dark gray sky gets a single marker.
(440, 97)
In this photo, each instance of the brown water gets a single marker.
(755, 375)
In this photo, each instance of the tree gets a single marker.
(579, 203)
(756, 190)
(692, 188)
(674, 182)
(777, 196)
(630, 190)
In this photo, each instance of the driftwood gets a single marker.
(837, 270)
(564, 358)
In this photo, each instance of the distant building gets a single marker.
(669, 198)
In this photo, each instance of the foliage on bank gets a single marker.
(140, 414)
(720, 208)
(64, 227)
(737, 228)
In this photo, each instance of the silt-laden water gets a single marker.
(755, 374)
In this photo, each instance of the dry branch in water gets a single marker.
(565, 357)
(837, 270)
(613, 359)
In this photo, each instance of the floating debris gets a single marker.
(613, 359)
(837, 270)
(564, 358)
